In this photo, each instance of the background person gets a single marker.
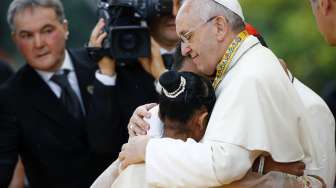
(325, 14)
(132, 83)
(43, 107)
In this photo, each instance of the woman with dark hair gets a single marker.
(185, 105)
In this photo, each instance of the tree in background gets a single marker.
(290, 30)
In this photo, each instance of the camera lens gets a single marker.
(155, 8)
(128, 41)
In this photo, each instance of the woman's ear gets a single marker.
(198, 125)
(203, 120)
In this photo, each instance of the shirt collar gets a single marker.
(67, 64)
(164, 51)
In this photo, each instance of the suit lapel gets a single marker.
(42, 98)
(84, 76)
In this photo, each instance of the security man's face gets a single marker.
(40, 37)
(163, 28)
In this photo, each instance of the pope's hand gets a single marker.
(137, 125)
(134, 151)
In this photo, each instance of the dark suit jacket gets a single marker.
(5, 72)
(134, 87)
(54, 147)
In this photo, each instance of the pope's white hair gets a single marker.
(207, 9)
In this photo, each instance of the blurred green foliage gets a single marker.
(290, 30)
(288, 26)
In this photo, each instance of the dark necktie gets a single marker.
(68, 96)
(168, 60)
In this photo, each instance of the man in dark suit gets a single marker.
(43, 108)
(133, 83)
(5, 72)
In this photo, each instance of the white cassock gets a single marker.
(323, 125)
(257, 110)
(134, 177)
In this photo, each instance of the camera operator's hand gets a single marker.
(154, 65)
(106, 64)
(97, 35)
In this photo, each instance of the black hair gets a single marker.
(180, 105)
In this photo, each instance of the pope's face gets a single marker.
(198, 39)
(40, 37)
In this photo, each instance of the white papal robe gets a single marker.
(257, 110)
(134, 177)
(323, 125)
(217, 160)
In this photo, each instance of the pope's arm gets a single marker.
(171, 163)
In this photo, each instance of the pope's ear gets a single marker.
(222, 26)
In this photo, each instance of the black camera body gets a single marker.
(126, 23)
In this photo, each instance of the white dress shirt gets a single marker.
(111, 80)
(67, 64)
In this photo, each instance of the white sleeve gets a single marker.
(155, 124)
(174, 163)
(105, 79)
(106, 179)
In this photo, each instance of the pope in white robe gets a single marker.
(174, 163)
(258, 111)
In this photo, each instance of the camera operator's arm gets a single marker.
(104, 116)
(154, 65)
(106, 64)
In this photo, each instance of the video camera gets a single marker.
(126, 23)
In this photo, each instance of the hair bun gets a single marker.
(170, 81)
